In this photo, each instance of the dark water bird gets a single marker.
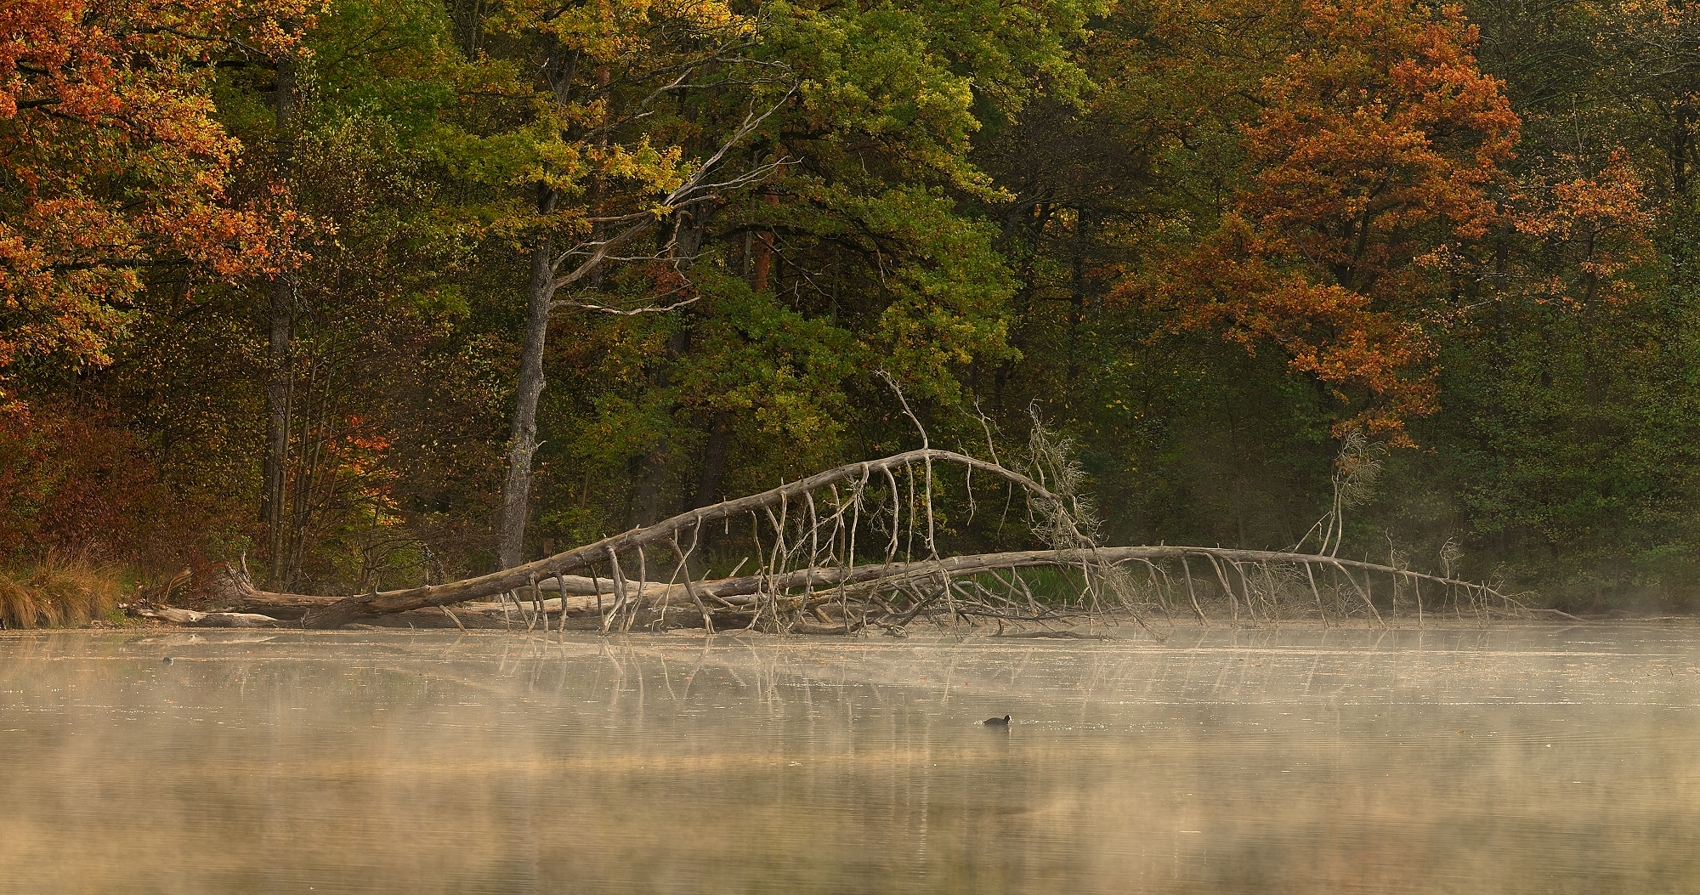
(996, 722)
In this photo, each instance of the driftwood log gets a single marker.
(193, 619)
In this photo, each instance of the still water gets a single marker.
(1508, 759)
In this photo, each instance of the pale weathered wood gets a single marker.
(193, 619)
(779, 586)
(350, 609)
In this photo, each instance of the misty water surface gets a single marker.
(1510, 759)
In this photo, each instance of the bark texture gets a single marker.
(522, 443)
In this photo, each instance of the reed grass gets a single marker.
(58, 592)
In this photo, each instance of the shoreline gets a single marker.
(1106, 629)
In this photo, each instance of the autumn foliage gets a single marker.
(76, 484)
(1374, 157)
(114, 164)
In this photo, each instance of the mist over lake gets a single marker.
(1515, 758)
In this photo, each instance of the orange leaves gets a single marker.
(362, 469)
(114, 161)
(1599, 226)
(1377, 127)
(1369, 357)
(1376, 142)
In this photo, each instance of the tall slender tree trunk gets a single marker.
(765, 240)
(655, 470)
(714, 460)
(1077, 302)
(763, 263)
(540, 291)
(280, 312)
(522, 441)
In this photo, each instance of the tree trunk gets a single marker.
(653, 471)
(1077, 300)
(522, 443)
(765, 241)
(652, 479)
(281, 307)
(795, 576)
(277, 426)
(714, 460)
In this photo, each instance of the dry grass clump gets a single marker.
(58, 592)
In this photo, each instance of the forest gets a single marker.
(370, 294)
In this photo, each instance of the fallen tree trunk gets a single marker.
(813, 586)
(813, 572)
(957, 566)
(350, 609)
(235, 596)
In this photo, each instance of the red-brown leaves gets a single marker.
(113, 162)
(1376, 144)
(1236, 285)
(74, 483)
(1379, 125)
(1598, 227)
(1382, 123)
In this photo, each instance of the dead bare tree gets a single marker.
(616, 227)
(854, 548)
(1356, 470)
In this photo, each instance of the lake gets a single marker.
(1507, 759)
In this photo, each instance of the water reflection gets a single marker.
(1518, 759)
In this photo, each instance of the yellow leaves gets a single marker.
(1653, 16)
(709, 14)
(559, 164)
(592, 80)
(612, 31)
(653, 169)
